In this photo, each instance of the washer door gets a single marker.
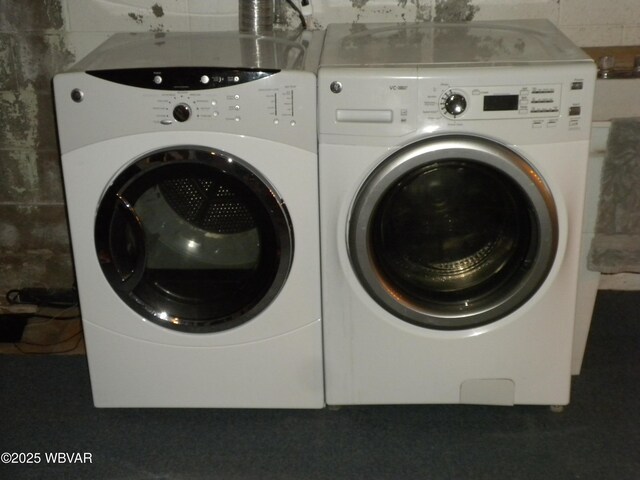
(453, 232)
(193, 239)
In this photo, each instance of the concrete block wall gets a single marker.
(34, 244)
(39, 38)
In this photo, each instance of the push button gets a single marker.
(574, 111)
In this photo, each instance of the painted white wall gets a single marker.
(586, 22)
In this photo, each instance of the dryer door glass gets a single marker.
(194, 239)
(453, 233)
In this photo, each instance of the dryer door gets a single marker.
(453, 232)
(193, 239)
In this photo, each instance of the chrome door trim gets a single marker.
(440, 149)
(139, 172)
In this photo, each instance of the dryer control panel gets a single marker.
(181, 78)
(199, 93)
(276, 105)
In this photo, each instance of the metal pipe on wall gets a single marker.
(255, 16)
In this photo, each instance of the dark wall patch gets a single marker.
(136, 17)
(40, 57)
(28, 16)
(359, 3)
(455, 11)
(443, 11)
(8, 80)
(157, 10)
(424, 12)
(19, 113)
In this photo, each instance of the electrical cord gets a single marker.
(43, 297)
(13, 296)
(59, 316)
(53, 317)
(70, 349)
(60, 342)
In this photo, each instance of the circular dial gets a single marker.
(182, 112)
(454, 104)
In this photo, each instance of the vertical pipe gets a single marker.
(255, 16)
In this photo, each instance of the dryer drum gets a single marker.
(207, 204)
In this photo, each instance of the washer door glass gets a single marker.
(453, 232)
(194, 239)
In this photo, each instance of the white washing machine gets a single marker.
(190, 170)
(452, 175)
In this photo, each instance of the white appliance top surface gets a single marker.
(277, 51)
(464, 44)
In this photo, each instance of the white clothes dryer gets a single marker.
(190, 170)
(452, 174)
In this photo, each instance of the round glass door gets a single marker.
(453, 232)
(194, 239)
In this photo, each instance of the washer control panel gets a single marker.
(495, 101)
(527, 103)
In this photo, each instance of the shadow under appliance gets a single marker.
(190, 170)
(452, 174)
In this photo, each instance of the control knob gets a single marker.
(182, 112)
(455, 104)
